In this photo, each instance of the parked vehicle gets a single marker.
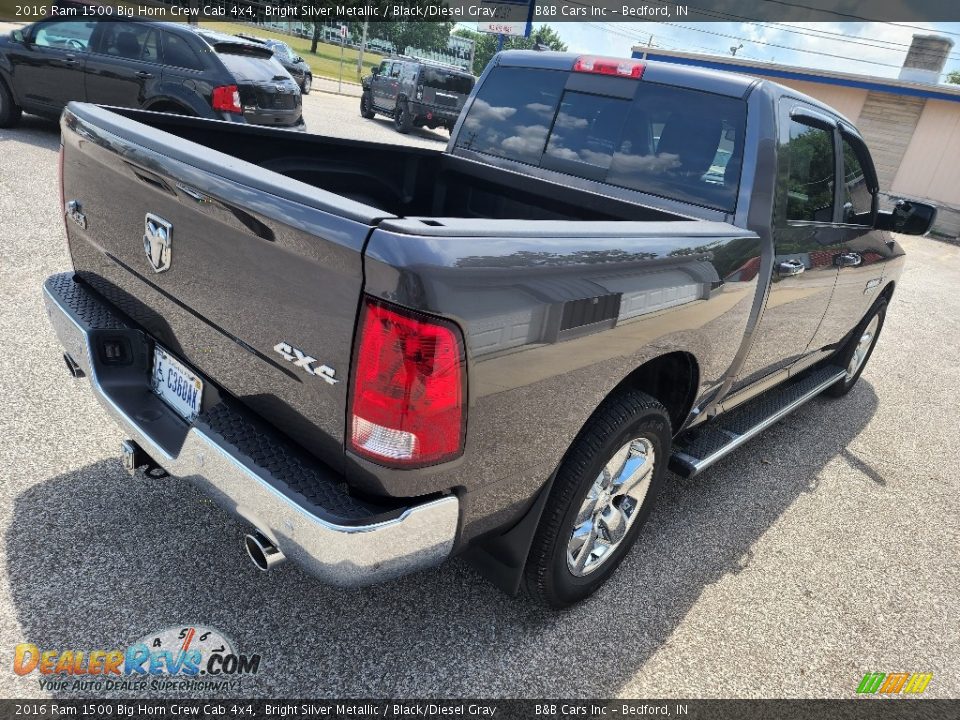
(164, 67)
(285, 55)
(379, 356)
(416, 93)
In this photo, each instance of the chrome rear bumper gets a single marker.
(347, 544)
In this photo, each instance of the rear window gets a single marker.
(667, 141)
(247, 68)
(448, 82)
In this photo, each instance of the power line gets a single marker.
(810, 32)
(786, 47)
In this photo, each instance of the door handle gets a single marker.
(850, 259)
(70, 59)
(790, 267)
(143, 74)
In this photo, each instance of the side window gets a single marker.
(178, 53)
(128, 41)
(66, 35)
(810, 177)
(857, 199)
(385, 68)
(395, 70)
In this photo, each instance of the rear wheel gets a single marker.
(602, 495)
(859, 348)
(366, 106)
(307, 84)
(402, 119)
(10, 112)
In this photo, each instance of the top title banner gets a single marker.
(492, 11)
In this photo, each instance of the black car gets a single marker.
(416, 93)
(285, 55)
(165, 67)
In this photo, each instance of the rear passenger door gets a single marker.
(806, 243)
(124, 64)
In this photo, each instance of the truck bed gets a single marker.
(276, 237)
(399, 180)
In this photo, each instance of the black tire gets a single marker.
(10, 112)
(366, 106)
(307, 84)
(402, 119)
(845, 356)
(619, 421)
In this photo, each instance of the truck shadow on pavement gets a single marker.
(34, 130)
(97, 559)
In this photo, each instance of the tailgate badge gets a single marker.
(302, 360)
(156, 242)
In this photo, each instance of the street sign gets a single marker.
(508, 18)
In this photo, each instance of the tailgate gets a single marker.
(255, 260)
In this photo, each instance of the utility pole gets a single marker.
(363, 45)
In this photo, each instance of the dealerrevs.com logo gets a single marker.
(178, 658)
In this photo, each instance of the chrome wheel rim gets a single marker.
(611, 506)
(863, 347)
(306, 85)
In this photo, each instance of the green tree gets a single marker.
(423, 35)
(486, 44)
(954, 77)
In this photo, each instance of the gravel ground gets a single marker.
(824, 549)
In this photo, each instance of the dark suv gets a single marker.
(166, 67)
(293, 63)
(416, 93)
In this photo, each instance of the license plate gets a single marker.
(176, 385)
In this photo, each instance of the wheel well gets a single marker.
(168, 106)
(888, 290)
(671, 379)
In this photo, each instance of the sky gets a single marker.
(874, 48)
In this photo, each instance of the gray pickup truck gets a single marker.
(380, 356)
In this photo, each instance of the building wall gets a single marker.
(888, 123)
(846, 100)
(931, 166)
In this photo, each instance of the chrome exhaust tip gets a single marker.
(263, 553)
(72, 366)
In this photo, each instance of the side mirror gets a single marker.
(911, 217)
(18, 36)
(375, 70)
(298, 59)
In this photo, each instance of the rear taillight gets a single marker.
(420, 92)
(227, 99)
(609, 66)
(409, 388)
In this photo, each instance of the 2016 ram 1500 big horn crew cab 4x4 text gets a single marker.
(380, 355)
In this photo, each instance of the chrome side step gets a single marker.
(702, 447)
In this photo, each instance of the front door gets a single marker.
(48, 69)
(806, 241)
(864, 250)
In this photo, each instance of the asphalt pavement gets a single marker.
(824, 549)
